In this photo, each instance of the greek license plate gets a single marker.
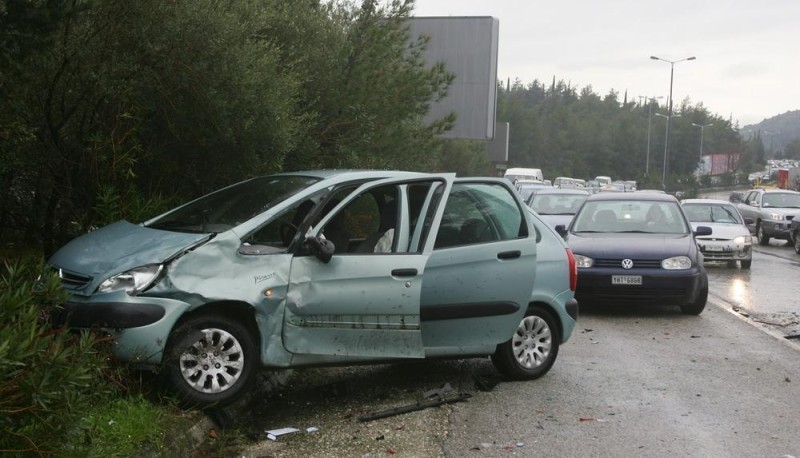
(626, 279)
(715, 248)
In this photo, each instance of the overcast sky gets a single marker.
(748, 51)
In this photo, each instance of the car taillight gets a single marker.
(573, 271)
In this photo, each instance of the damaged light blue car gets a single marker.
(319, 268)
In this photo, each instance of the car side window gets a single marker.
(368, 224)
(479, 213)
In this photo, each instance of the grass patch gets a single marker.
(124, 427)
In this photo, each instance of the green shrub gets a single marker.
(47, 376)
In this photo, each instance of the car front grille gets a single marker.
(637, 263)
(71, 280)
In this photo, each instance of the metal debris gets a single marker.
(419, 405)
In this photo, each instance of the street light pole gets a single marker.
(669, 113)
(702, 128)
(666, 137)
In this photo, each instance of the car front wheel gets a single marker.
(746, 263)
(210, 361)
(797, 243)
(696, 307)
(532, 350)
(763, 238)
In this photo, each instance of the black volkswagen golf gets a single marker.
(637, 248)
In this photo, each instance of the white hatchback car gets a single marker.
(730, 239)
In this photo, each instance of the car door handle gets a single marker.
(404, 272)
(509, 254)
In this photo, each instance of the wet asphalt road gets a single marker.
(647, 383)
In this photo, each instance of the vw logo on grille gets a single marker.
(627, 263)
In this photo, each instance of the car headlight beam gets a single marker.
(133, 281)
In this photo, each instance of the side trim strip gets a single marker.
(472, 310)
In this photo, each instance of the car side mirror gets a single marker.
(702, 230)
(321, 248)
(562, 230)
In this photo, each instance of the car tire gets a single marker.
(763, 238)
(745, 263)
(696, 307)
(532, 350)
(210, 361)
(797, 243)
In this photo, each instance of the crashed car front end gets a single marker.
(138, 325)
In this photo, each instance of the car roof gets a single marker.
(775, 191)
(582, 192)
(706, 201)
(635, 196)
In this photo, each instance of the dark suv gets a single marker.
(771, 212)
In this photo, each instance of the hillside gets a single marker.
(777, 131)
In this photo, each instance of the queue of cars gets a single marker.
(648, 247)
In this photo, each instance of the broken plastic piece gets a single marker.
(273, 434)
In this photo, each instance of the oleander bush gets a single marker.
(48, 377)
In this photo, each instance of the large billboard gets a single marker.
(468, 47)
(719, 163)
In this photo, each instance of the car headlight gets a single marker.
(744, 239)
(677, 263)
(583, 261)
(775, 216)
(133, 281)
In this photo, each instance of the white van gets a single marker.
(602, 180)
(519, 173)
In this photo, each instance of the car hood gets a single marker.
(631, 245)
(781, 210)
(722, 231)
(119, 247)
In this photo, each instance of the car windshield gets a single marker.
(630, 216)
(782, 200)
(557, 204)
(231, 206)
(712, 213)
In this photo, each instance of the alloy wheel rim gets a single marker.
(532, 342)
(213, 363)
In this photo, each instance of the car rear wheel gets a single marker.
(746, 263)
(211, 360)
(763, 238)
(532, 350)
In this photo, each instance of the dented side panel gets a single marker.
(354, 306)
